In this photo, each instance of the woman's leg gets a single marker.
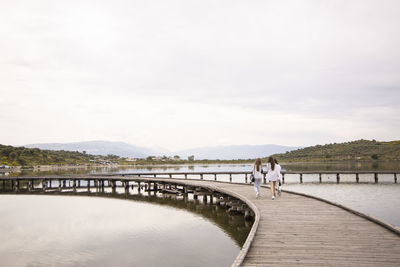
(272, 187)
(257, 183)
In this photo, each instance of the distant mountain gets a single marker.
(127, 150)
(235, 152)
(100, 148)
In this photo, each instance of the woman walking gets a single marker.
(272, 175)
(257, 172)
(278, 170)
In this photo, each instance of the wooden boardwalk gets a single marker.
(302, 231)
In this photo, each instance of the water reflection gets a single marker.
(72, 230)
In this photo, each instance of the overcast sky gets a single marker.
(183, 74)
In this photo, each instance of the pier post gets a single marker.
(204, 199)
(16, 185)
(4, 184)
(245, 178)
(138, 188)
(357, 177)
(114, 186)
(320, 178)
(376, 177)
(170, 175)
(230, 177)
(395, 178)
(265, 180)
(185, 175)
(283, 178)
(215, 176)
(201, 176)
(59, 185)
(30, 185)
(185, 191)
(149, 188)
(301, 178)
(74, 184)
(126, 185)
(50, 184)
(88, 185)
(43, 183)
(155, 188)
(337, 178)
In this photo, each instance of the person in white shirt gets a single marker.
(278, 169)
(272, 175)
(257, 172)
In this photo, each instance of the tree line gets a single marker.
(363, 150)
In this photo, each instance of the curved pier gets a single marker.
(291, 230)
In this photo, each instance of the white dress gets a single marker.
(272, 175)
(278, 169)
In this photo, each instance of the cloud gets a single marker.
(185, 73)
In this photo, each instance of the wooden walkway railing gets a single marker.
(300, 175)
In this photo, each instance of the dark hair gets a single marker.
(276, 161)
(272, 162)
(258, 164)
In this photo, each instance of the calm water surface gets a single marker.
(379, 200)
(91, 231)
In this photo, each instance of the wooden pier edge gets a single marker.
(246, 246)
(243, 252)
(358, 213)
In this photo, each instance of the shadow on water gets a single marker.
(234, 225)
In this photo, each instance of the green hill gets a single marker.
(21, 156)
(355, 150)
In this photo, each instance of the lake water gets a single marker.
(91, 231)
(378, 200)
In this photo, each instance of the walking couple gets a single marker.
(273, 175)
